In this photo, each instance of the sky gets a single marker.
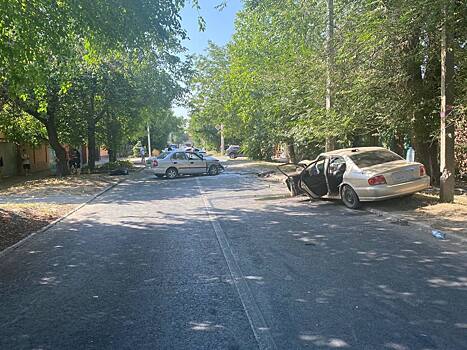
(219, 28)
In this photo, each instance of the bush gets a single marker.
(119, 164)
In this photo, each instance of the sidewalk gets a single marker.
(422, 208)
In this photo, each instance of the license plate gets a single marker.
(402, 176)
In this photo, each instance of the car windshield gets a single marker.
(162, 155)
(370, 158)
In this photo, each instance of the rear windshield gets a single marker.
(162, 155)
(370, 158)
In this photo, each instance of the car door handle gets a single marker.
(175, 162)
(192, 162)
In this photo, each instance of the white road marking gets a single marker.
(258, 325)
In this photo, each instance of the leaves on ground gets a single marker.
(19, 220)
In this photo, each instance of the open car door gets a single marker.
(292, 172)
(313, 179)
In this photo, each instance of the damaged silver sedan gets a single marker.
(358, 175)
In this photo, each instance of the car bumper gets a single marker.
(381, 192)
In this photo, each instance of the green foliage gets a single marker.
(88, 70)
(136, 149)
(119, 164)
(21, 127)
(267, 86)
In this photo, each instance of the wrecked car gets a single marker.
(357, 175)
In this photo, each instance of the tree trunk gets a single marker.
(426, 152)
(330, 140)
(398, 144)
(91, 134)
(426, 149)
(292, 158)
(60, 152)
(447, 180)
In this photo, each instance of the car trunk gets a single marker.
(395, 172)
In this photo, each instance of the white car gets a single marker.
(199, 151)
(360, 175)
(174, 163)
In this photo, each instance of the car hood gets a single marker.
(210, 159)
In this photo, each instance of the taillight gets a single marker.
(154, 163)
(376, 180)
(422, 170)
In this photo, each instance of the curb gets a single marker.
(391, 216)
(56, 221)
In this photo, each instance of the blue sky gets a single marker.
(219, 28)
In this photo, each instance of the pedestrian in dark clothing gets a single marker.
(75, 160)
(26, 162)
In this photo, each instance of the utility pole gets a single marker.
(222, 139)
(330, 141)
(149, 142)
(447, 124)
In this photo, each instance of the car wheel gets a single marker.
(171, 173)
(213, 170)
(160, 176)
(232, 156)
(349, 197)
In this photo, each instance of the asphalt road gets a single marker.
(228, 262)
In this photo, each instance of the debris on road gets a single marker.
(266, 173)
(400, 222)
(438, 234)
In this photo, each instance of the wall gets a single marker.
(9, 155)
(12, 164)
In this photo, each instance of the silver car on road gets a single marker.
(362, 174)
(174, 163)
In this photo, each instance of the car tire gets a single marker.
(349, 197)
(160, 176)
(171, 173)
(232, 156)
(213, 170)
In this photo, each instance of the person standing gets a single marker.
(26, 162)
(75, 161)
(142, 152)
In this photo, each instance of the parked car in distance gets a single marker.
(199, 151)
(174, 163)
(362, 174)
(233, 151)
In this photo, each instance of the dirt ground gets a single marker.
(19, 220)
(69, 185)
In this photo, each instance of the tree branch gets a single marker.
(31, 111)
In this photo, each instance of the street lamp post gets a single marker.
(149, 143)
(222, 139)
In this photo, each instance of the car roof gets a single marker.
(353, 150)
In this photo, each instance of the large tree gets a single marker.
(43, 44)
